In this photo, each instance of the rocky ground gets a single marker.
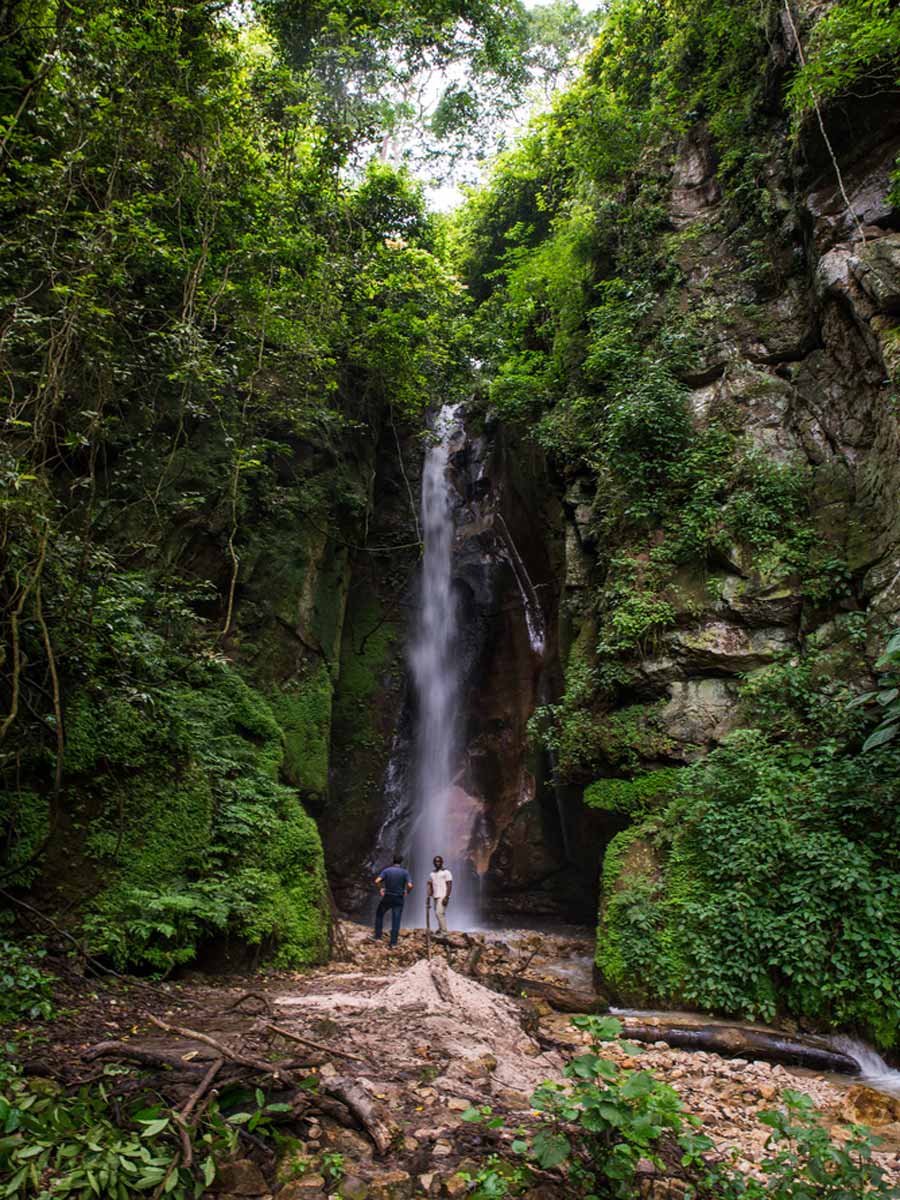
(393, 1049)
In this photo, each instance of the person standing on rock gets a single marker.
(440, 886)
(394, 882)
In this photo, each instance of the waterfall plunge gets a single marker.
(442, 822)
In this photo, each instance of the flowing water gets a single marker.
(443, 817)
(873, 1070)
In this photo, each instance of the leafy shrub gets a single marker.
(205, 840)
(853, 48)
(26, 991)
(56, 1144)
(605, 1119)
(887, 696)
(775, 883)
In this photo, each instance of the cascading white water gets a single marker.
(873, 1070)
(441, 821)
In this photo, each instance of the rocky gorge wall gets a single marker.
(791, 357)
(507, 563)
(804, 376)
(694, 311)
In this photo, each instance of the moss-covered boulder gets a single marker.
(183, 828)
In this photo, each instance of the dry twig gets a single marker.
(295, 1037)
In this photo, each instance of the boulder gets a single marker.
(724, 647)
(391, 1185)
(877, 268)
(762, 602)
(864, 1106)
(308, 1188)
(699, 711)
(352, 1187)
(240, 1178)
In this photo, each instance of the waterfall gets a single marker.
(442, 821)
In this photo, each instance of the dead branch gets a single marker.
(244, 1060)
(331, 1108)
(475, 952)
(201, 1089)
(187, 1149)
(295, 1037)
(338, 940)
(147, 1058)
(441, 982)
(557, 995)
(260, 996)
(95, 963)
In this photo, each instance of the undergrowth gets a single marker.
(91, 1143)
(606, 1123)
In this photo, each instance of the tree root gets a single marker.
(260, 996)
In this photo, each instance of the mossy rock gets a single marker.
(184, 821)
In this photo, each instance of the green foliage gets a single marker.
(58, 1144)
(26, 990)
(583, 733)
(745, 906)
(498, 1179)
(333, 1167)
(24, 829)
(853, 49)
(213, 307)
(605, 1119)
(211, 841)
(886, 696)
(634, 797)
(304, 713)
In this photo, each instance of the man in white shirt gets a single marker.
(440, 885)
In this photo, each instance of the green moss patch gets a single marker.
(191, 830)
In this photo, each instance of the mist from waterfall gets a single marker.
(440, 824)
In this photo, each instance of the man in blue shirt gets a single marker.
(394, 882)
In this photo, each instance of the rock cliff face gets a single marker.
(804, 371)
(795, 357)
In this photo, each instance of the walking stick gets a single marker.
(428, 927)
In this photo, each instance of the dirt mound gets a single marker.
(472, 1037)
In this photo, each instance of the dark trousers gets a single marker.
(394, 904)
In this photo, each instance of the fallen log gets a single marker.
(363, 1109)
(734, 1041)
(138, 1054)
(557, 995)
